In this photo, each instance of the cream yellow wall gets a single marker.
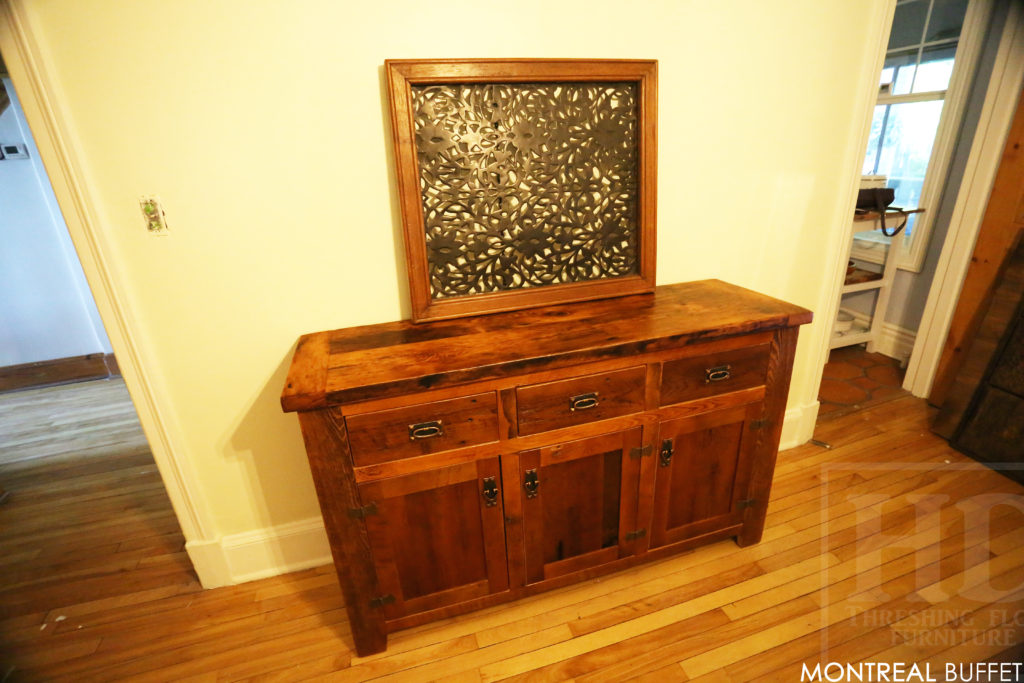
(262, 126)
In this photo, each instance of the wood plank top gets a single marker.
(390, 359)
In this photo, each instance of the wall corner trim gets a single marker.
(798, 425)
(836, 251)
(209, 562)
(260, 553)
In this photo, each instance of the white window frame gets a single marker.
(968, 50)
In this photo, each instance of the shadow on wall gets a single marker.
(269, 443)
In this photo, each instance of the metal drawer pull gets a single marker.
(490, 492)
(583, 401)
(667, 450)
(425, 430)
(531, 483)
(717, 374)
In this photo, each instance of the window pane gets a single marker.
(871, 156)
(935, 70)
(903, 65)
(946, 20)
(906, 148)
(911, 220)
(908, 24)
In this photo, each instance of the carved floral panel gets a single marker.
(526, 185)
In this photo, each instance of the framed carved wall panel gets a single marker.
(524, 182)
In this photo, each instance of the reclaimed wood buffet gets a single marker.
(464, 463)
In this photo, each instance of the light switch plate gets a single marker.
(13, 151)
(153, 215)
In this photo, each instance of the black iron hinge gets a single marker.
(382, 600)
(748, 503)
(363, 512)
(642, 452)
(633, 535)
(759, 424)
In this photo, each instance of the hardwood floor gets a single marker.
(887, 547)
(69, 422)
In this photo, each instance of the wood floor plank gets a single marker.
(720, 580)
(662, 647)
(861, 635)
(832, 613)
(597, 651)
(235, 663)
(412, 666)
(817, 487)
(94, 418)
(672, 673)
(969, 636)
(752, 646)
(850, 575)
(316, 668)
(867, 541)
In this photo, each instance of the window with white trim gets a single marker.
(912, 128)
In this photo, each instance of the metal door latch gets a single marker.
(667, 450)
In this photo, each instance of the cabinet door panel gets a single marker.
(435, 539)
(584, 503)
(700, 488)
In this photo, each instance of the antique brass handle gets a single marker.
(531, 483)
(665, 455)
(490, 492)
(717, 374)
(425, 430)
(583, 401)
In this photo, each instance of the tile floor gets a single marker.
(854, 378)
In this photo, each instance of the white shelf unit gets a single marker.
(859, 334)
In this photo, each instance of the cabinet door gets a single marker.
(702, 473)
(579, 503)
(437, 537)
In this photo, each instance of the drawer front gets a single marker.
(421, 429)
(687, 379)
(569, 402)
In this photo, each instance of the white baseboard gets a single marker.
(798, 425)
(252, 555)
(894, 341)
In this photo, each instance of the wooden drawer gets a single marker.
(421, 429)
(687, 379)
(569, 402)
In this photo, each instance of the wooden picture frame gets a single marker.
(543, 227)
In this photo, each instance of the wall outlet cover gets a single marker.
(153, 215)
(13, 151)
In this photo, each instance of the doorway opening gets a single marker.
(939, 65)
(83, 508)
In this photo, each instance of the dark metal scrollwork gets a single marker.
(526, 185)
